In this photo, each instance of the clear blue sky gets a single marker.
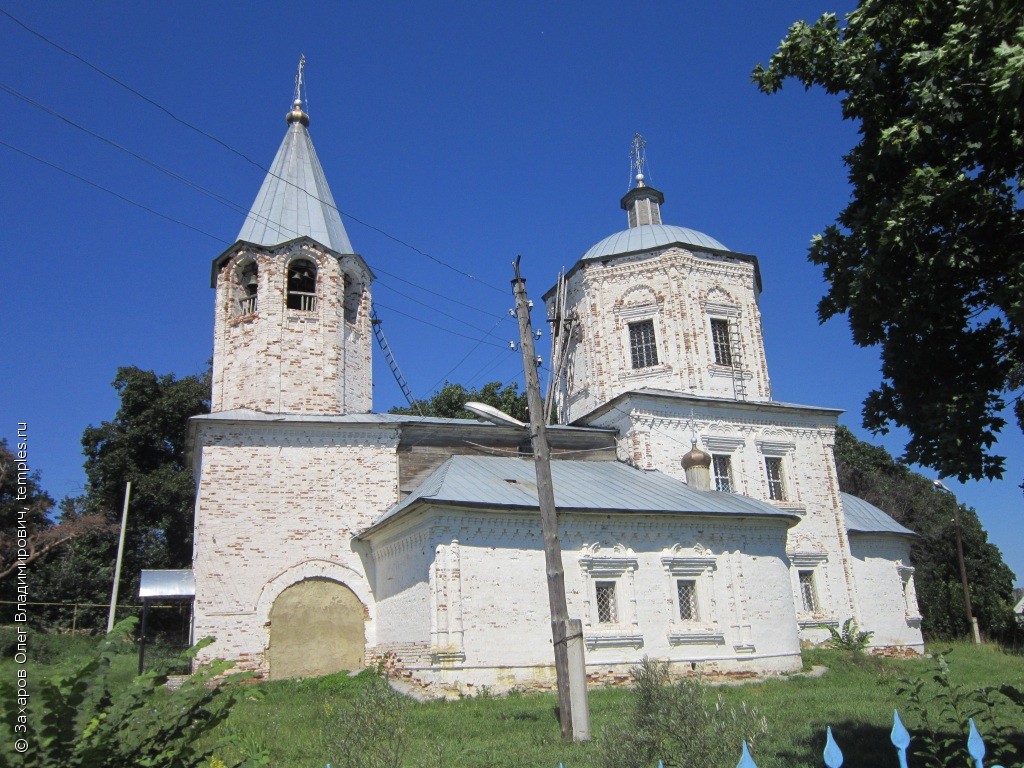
(473, 131)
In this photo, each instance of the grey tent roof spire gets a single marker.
(295, 200)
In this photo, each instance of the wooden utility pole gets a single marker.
(560, 624)
(971, 620)
(117, 565)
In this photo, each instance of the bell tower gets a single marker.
(292, 330)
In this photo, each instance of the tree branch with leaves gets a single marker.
(927, 260)
(25, 502)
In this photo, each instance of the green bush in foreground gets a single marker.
(680, 723)
(938, 710)
(367, 732)
(78, 721)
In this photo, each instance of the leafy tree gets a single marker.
(144, 443)
(927, 260)
(26, 502)
(85, 718)
(872, 474)
(450, 401)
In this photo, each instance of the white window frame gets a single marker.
(648, 311)
(726, 445)
(812, 562)
(309, 301)
(699, 568)
(777, 444)
(619, 568)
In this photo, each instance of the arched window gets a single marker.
(353, 298)
(302, 285)
(248, 281)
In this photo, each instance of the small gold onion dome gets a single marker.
(297, 114)
(695, 457)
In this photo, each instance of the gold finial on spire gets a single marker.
(296, 111)
(638, 156)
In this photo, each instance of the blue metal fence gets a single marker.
(899, 737)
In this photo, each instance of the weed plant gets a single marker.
(678, 723)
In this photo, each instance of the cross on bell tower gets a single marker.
(292, 332)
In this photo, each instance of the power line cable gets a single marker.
(410, 283)
(210, 193)
(141, 158)
(490, 366)
(438, 311)
(112, 192)
(440, 328)
(164, 216)
(466, 356)
(240, 154)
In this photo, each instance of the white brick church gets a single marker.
(701, 521)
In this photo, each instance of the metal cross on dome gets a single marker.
(638, 157)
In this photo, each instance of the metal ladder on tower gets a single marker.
(389, 356)
(739, 382)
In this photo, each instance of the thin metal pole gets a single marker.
(546, 502)
(142, 634)
(120, 554)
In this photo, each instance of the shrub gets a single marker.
(938, 710)
(848, 638)
(78, 721)
(368, 731)
(681, 723)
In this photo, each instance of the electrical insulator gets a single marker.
(540, 361)
(513, 346)
(538, 333)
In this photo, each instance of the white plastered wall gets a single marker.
(276, 505)
(482, 592)
(885, 590)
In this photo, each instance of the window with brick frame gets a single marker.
(721, 468)
(643, 347)
(301, 285)
(721, 341)
(607, 612)
(776, 483)
(808, 594)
